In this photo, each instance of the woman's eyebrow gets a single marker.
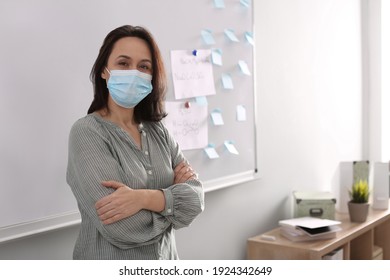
(123, 56)
(128, 57)
(146, 60)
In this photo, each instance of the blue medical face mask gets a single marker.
(129, 87)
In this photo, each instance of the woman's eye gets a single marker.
(145, 68)
(123, 63)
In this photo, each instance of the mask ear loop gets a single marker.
(108, 73)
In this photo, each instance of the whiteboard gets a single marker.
(47, 51)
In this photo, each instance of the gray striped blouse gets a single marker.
(99, 150)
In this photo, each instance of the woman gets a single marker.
(131, 181)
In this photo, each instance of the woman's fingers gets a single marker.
(113, 184)
(122, 203)
(183, 172)
(106, 207)
(180, 166)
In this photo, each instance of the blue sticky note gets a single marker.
(227, 81)
(216, 56)
(216, 116)
(201, 100)
(219, 4)
(207, 36)
(230, 147)
(245, 3)
(244, 67)
(241, 113)
(231, 35)
(249, 38)
(211, 152)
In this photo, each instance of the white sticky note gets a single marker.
(219, 4)
(216, 116)
(249, 38)
(244, 67)
(231, 35)
(230, 147)
(207, 36)
(192, 74)
(211, 152)
(216, 57)
(187, 122)
(227, 81)
(241, 113)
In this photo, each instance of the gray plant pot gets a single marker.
(358, 211)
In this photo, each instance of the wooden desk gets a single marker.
(356, 239)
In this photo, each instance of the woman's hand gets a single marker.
(183, 172)
(122, 203)
(125, 202)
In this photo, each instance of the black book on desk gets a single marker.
(308, 228)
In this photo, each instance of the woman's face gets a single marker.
(129, 53)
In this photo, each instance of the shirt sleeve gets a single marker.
(91, 160)
(185, 201)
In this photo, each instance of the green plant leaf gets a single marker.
(360, 192)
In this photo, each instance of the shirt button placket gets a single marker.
(145, 151)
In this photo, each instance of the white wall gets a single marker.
(378, 61)
(375, 99)
(309, 87)
(385, 72)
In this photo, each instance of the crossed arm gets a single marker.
(128, 217)
(125, 202)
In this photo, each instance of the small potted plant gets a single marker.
(358, 205)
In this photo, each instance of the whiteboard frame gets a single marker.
(52, 223)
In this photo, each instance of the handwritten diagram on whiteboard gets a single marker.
(192, 73)
(188, 125)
